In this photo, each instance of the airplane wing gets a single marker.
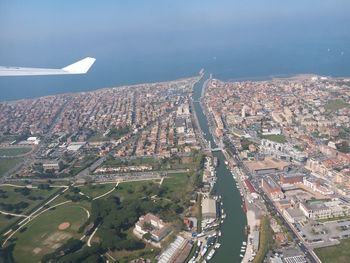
(80, 67)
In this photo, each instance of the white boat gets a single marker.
(219, 233)
(241, 255)
(244, 243)
(242, 250)
(211, 254)
(217, 245)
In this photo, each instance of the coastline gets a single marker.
(135, 85)
(282, 76)
(132, 86)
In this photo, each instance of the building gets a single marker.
(291, 179)
(176, 252)
(266, 166)
(51, 165)
(315, 184)
(75, 146)
(283, 204)
(208, 208)
(33, 140)
(319, 209)
(249, 186)
(315, 210)
(294, 215)
(153, 225)
(180, 125)
(282, 151)
(271, 188)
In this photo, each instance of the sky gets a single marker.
(154, 37)
(78, 27)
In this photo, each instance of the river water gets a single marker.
(232, 229)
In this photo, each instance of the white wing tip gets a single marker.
(81, 66)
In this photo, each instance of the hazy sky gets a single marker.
(81, 27)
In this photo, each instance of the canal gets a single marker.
(233, 233)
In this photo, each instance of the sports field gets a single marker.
(12, 152)
(275, 138)
(335, 254)
(43, 236)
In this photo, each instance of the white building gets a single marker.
(283, 151)
(321, 210)
(314, 184)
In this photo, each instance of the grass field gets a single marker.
(191, 162)
(275, 138)
(124, 256)
(131, 190)
(11, 152)
(34, 197)
(266, 240)
(42, 235)
(6, 221)
(179, 185)
(96, 190)
(137, 161)
(335, 254)
(8, 164)
(335, 105)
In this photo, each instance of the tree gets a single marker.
(147, 236)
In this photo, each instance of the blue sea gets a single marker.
(150, 41)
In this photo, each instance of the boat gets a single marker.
(217, 245)
(226, 162)
(204, 250)
(219, 233)
(242, 250)
(211, 254)
(244, 243)
(241, 255)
